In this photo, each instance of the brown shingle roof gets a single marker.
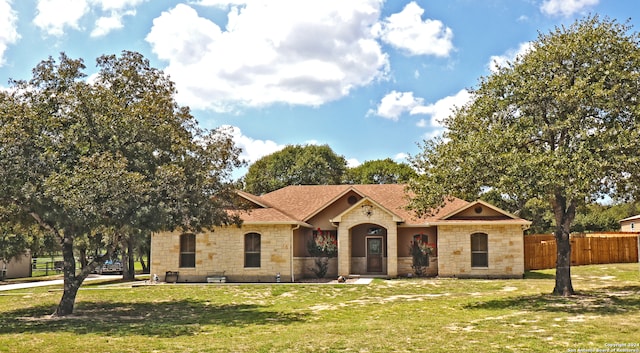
(267, 215)
(301, 202)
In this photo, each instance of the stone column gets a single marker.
(344, 250)
(392, 251)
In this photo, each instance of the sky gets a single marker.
(370, 78)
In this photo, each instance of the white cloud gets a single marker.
(289, 51)
(565, 7)
(443, 108)
(252, 149)
(499, 61)
(353, 162)
(53, 16)
(402, 157)
(117, 5)
(117, 9)
(395, 104)
(407, 31)
(8, 27)
(221, 3)
(105, 24)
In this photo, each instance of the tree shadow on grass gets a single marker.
(538, 275)
(164, 319)
(602, 301)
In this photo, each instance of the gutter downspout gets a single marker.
(293, 277)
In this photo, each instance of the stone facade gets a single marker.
(359, 216)
(355, 217)
(505, 251)
(223, 251)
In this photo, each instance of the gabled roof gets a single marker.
(253, 199)
(302, 202)
(475, 213)
(367, 201)
(268, 216)
(632, 218)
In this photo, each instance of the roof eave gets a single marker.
(297, 223)
(341, 194)
(632, 218)
(480, 222)
(394, 216)
(486, 204)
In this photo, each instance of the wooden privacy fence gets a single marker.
(586, 249)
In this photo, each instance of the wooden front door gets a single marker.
(374, 254)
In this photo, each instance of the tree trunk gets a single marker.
(68, 301)
(147, 267)
(564, 217)
(71, 282)
(563, 265)
(83, 257)
(131, 261)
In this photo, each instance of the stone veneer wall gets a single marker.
(302, 266)
(356, 217)
(405, 269)
(505, 251)
(223, 250)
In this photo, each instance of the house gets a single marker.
(18, 267)
(631, 224)
(369, 224)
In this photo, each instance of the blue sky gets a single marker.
(370, 78)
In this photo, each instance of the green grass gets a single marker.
(408, 315)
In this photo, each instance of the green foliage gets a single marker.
(383, 171)
(13, 242)
(15, 237)
(420, 251)
(323, 246)
(559, 124)
(295, 165)
(94, 163)
(597, 218)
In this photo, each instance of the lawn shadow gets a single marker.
(602, 301)
(163, 319)
(538, 275)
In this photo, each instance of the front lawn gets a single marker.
(405, 315)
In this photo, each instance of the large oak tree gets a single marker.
(559, 124)
(104, 158)
(380, 171)
(295, 165)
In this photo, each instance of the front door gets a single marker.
(374, 254)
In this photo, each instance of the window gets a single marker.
(252, 250)
(187, 250)
(632, 226)
(479, 250)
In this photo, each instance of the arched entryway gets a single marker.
(369, 249)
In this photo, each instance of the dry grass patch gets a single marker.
(416, 315)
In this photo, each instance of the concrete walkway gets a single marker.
(364, 280)
(26, 285)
